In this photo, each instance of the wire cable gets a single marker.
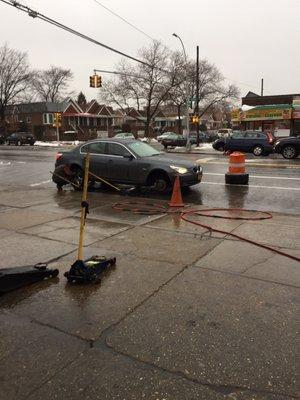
(123, 19)
(34, 14)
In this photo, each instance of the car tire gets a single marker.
(160, 182)
(18, 143)
(258, 150)
(78, 178)
(289, 152)
(221, 148)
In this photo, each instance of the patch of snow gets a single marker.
(56, 144)
(148, 140)
(205, 146)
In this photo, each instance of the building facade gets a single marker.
(279, 114)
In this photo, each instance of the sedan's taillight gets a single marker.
(58, 156)
(270, 138)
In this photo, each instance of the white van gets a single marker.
(224, 132)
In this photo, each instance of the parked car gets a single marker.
(288, 147)
(165, 135)
(20, 138)
(224, 132)
(129, 161)
(2, 139)
(193, 137)
(258, 143)
(173, 140)
(124, 135)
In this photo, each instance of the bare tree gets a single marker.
(211, 87)
(15, 78)
(143, 87)
(52, 84)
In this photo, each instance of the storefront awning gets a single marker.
(263, 113)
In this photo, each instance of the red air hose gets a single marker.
(185, 214)
(152, 208)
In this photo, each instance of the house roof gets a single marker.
(252, 99)
(39, 107)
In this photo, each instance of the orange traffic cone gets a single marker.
(176, 200)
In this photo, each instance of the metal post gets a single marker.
(262, 87)
(57, 126)
(197, 94)
(83, 210)
(57, 131)
(188, 140)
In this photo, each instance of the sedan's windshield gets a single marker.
(142, 149)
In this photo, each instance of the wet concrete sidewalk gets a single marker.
(185, 314)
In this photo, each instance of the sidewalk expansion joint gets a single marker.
(223, 389)
(247, 277)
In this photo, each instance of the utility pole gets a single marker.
(197, 95)
(262, 87)
(187, 95)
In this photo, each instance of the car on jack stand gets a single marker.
(130, 162)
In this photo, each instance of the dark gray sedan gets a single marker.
(128, 161)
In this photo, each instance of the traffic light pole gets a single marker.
(197, 95)
(57, 131)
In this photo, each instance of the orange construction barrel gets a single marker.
(236, 171)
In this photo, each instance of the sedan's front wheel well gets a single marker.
(156, 174)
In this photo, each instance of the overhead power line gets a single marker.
(123, 19)
(34, 14)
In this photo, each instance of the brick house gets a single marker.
(36, 118)
(82, 122)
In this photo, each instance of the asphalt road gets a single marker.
(274, 183)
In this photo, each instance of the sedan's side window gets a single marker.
(94, 148)
(238, 135)
(115, 149)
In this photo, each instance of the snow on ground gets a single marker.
(203, 146)
(56, 144)
(148, 140)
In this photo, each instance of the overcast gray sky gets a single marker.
(246, 40)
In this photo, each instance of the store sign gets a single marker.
(235, 115)
(296, 114)
(262, 114)
(267, 114)
(296, 102)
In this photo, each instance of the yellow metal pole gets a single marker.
(83, 210)
(103, 180)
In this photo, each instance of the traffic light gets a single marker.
(92, 81)
(95, 81)
(195, 119)
(98, 81)
(57, 119)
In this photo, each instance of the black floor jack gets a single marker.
(89, 270)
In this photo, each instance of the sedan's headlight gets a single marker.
(180, 170)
